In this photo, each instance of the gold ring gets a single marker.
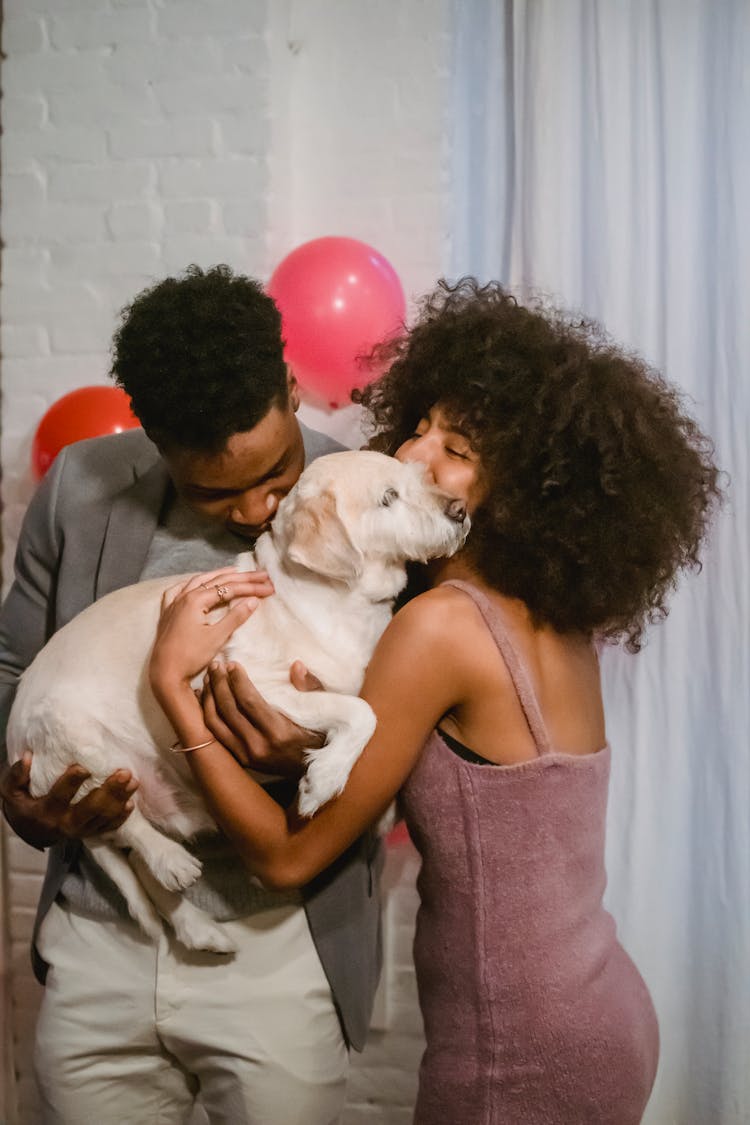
(222, 592)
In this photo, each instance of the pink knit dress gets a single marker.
(533, 1012)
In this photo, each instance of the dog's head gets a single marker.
(360, 516)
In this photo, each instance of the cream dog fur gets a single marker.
(336, 554)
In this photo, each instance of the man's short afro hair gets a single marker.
(201, 357)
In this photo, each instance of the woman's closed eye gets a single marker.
(457, 452)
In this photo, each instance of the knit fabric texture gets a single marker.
(533, 1012)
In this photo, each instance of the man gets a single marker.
(130, 1031)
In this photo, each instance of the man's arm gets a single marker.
(26, 621)
(26, 617)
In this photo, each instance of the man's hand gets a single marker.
(257, 734)
(42, 821)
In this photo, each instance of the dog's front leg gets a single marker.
(348, 723)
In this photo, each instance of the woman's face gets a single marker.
(448, 457)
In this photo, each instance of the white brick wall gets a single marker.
(141, 135)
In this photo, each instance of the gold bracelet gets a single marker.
(177, 749)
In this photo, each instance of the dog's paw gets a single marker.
(321, 783)
(173, 866)
(308, 802)
(202, 934)
(216, 942)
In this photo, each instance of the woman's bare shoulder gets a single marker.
(439, 623)
(437, 613)
(423, 654)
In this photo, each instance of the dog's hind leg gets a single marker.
(169, 862)
(192, 927)
(113, 863)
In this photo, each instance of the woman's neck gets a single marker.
(459, 566)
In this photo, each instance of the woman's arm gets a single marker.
(413, 679)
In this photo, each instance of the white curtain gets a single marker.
(601, 155)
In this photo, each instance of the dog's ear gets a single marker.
(318, 539)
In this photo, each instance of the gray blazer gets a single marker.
(87, 531)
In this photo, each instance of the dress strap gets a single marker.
(518, 674)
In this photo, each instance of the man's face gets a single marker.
(241, 487)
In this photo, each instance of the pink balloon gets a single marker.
(338, 298)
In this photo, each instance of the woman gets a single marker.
(589, 490)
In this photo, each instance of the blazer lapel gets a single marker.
(130, 528)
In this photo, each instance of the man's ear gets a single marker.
(318, 540)
(292, 389)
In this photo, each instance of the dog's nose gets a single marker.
(456, 510)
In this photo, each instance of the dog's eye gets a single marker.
(388, 497)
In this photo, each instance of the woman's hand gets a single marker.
(189, 635)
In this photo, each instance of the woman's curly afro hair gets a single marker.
(601, 485)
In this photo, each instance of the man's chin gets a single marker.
(244, 531)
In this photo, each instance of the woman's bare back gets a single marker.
(563, 668)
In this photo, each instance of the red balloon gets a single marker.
(338, 298)
(86, 412)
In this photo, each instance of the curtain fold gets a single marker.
(601, 157)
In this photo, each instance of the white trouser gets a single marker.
(130, 1032)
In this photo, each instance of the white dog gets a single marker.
(336, 554)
